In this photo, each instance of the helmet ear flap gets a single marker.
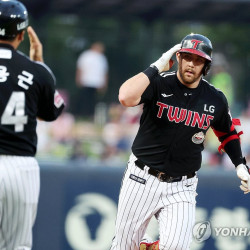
(206, 67)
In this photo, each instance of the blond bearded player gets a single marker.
(161, 176)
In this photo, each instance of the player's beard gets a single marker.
(188, 75)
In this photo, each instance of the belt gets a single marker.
(161, 176)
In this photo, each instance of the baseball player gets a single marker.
(161, 175)
(27, 92)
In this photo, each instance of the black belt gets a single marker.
(161, 176)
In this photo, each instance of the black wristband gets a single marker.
(150, 72)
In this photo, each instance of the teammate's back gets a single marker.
(27, 91)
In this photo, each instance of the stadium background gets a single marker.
(82, 162)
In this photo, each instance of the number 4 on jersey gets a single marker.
(14, 112)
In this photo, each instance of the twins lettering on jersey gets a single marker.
(188, 117)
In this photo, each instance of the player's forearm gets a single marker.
(234, 152)
(130, 92)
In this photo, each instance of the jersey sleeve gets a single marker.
(51, 103)
(224, 129)
(223, 121)
(150, 92)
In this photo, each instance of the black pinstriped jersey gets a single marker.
(27, 91)
(174, 123)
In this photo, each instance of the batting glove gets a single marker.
(164, 63)
(243, 173)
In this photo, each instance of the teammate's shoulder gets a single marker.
(20, 53)
(40, 69)
(44, 72)
(43, 67)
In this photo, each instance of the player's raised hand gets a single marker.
(165, 62)
(36, 48)
(243, 173)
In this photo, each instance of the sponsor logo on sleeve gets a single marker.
(58, 100)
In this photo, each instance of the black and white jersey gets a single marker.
(174, 123)
(27, 91)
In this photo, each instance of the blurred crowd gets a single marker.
(105, 140)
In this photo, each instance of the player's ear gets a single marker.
(20, 36)
(178, 55)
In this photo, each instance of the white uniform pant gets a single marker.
(19, 192)
(173, 205)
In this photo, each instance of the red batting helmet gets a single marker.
(199, 45)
